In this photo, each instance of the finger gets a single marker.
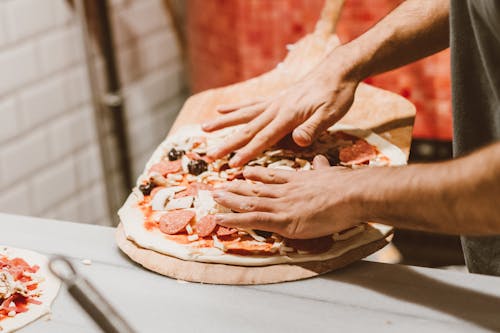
(251, 189)
(227, 108)
(242, 137)
(267, 176)
(305, 134)
(241, 204)
(320, 162)
(235, 118)
(265, 138)
(259, 220)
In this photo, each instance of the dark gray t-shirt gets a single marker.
(475, 66)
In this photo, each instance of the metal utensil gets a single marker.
(88, 297)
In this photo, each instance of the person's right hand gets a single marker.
(305, 109)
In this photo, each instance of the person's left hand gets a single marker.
(304, 204)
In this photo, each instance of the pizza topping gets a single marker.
(174, 154)
(18, 286)
(358, 153)
(175, 221)
(283, 165)
(255, 236)
(179, 203)
(146, 188)
(193, 237)
(166, 167)
(206, 225)
(160, 198)
(158, 179)
(225, 231)
(205, 204)
(196, 167)
(218, 244)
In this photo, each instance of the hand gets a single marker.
(304, 204)
(306, 109)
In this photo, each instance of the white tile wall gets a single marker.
(16, 200)
(49, 156)
(18, 66)
(9, 120)
(54, 184)
(41, 102)
(59, 49)
(3, 32)
(22, 157)
(27, 17)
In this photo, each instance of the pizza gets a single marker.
(171, 210)
(27, 288)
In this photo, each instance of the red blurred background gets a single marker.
(233, 40)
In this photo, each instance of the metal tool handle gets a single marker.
(89, 298)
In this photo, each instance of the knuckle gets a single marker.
(257, 191)
(247, 132)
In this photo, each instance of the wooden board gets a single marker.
(381, 111)
(238, 275)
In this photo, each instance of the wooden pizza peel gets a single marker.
(383, 112)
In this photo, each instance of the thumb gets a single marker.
(305, 133)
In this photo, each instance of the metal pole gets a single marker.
(98, 110)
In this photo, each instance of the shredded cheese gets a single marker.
(255, 236)
(218, 244)
(193, 237)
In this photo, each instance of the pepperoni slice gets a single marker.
(225, 231)
(360, 152)
(313, 245)
(206, 226)
(175, 221)
(166, 167)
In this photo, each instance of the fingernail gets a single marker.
(220, 186)
(205, 126)
(219, 218)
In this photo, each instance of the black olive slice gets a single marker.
(175, 154)
(197, 167)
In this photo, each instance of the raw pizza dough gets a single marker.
(49, 288)
(133, 218)
(194, 271)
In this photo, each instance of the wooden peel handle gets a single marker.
(329, 17)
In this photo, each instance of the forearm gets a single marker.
(457, 197)
(414, 30)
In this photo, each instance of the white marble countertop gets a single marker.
(366, 296)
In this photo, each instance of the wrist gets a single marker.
(374, 197)
(349, 62)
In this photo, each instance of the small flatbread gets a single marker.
(48, 288)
